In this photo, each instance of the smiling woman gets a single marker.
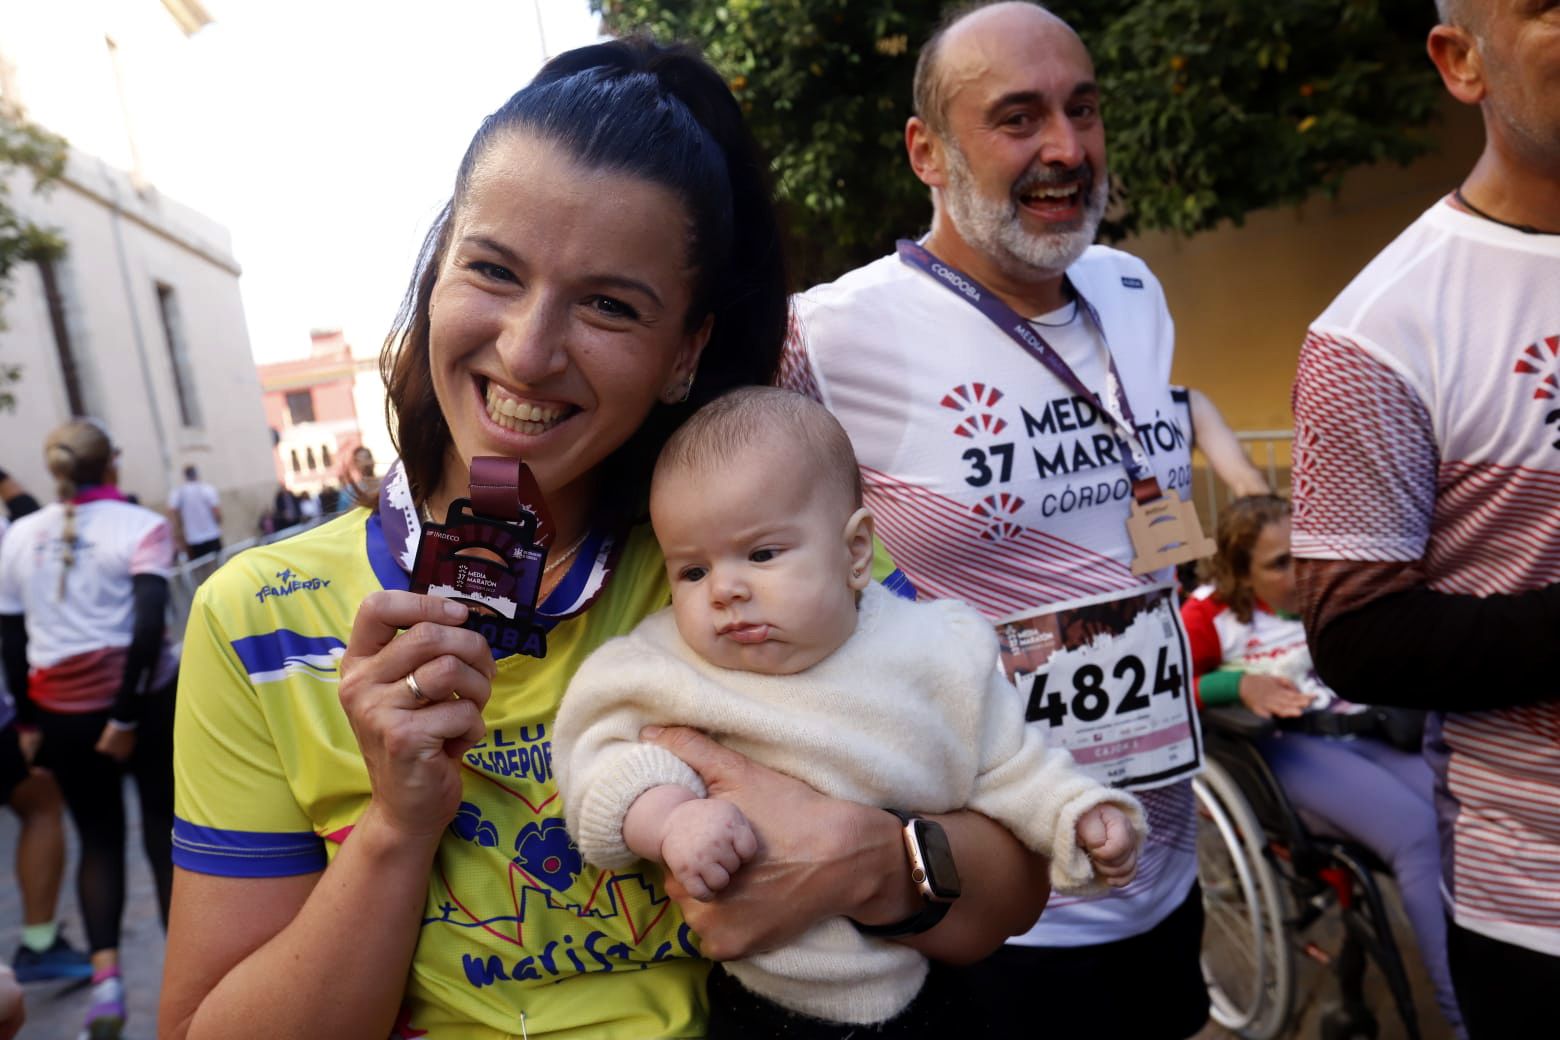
(554, 332)
(583, 257)
(608, 261)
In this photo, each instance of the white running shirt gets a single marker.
(197, 503)
(1427, 427)
(993, 483)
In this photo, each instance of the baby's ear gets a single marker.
(858, 543)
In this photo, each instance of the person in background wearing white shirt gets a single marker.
(196, 509)
(83, 603)
(35, 797)
(1427, 483)
(1005, 475)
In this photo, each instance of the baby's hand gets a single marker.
(1106, 834)
(706, 841)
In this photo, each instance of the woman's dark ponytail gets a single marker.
(662, 114)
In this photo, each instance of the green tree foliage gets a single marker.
(1213, 108)
(40, 154)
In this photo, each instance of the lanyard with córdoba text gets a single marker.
(1164, 528)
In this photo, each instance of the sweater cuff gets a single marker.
(1220, 687)
(613, 786)
(1072, 871)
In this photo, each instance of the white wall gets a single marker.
(129, 111)
(120, 246)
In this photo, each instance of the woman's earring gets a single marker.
(679, 395)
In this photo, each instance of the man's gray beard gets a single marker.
(995, 228)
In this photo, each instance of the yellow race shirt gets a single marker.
(519, 935)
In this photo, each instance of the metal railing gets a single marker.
(189, 574)
(1269, 451)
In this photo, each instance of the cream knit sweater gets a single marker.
(911, 712)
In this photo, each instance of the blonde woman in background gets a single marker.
(83, 593)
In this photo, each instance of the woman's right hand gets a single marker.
(413, 746)
(1272, 696)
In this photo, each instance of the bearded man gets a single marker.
(1005, 383)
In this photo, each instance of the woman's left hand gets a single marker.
(117, 742)
(806, 846)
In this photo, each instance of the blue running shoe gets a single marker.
(59, 961)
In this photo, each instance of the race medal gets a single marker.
(1109, 679)
(1165, 531)
(486, 556)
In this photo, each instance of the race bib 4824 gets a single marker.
(1109, 679)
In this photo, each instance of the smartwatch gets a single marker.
(931, 870)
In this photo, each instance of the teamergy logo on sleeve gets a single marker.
(272, 656)
(288, 583)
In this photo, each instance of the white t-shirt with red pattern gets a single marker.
(1427, 427)
(991, 481)
(77, 642)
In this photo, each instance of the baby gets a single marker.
(779, 644)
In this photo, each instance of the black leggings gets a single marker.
(1502, 989)
(93, 785)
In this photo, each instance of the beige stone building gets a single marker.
(141, 322)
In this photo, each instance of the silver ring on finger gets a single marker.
(417, 691)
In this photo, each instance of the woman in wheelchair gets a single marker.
(1332, 758)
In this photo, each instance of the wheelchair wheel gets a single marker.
(1246, 957)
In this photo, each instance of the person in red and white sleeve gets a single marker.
(1427, 482)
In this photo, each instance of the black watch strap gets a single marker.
(923, 920)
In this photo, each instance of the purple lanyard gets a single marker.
(1145, 486)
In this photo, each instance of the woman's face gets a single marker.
(1272, 575)
(559, 315)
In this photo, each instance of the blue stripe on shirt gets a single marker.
(270, 656)
(234, 853)
(899, 584)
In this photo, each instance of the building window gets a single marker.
(300, 406)
(325, 455)
(296, 468)
(178, 356)
(69, 371)
(308, 456)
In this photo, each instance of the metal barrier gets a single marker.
(188, 575)
(1269, 451)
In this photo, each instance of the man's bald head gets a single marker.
(933, 87)
(1465, 14)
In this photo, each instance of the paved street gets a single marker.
(55, 1010)
(1315, 987)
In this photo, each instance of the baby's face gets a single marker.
(759, 563)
